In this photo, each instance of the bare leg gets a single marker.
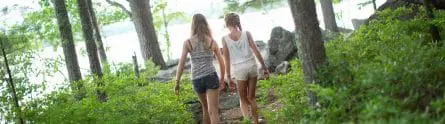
(244, 103)
(205, 111)
(252, 100)
(213, 101)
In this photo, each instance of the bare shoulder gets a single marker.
(223, 39)
(186, 42)
(248, 34)
(214, 44)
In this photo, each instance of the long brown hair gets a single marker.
(232, 19)
(201, 29)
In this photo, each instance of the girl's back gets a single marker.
(239, 50)
(202, 59)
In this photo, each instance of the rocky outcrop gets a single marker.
(283, 68)
(169, 73)
(282, 47)
(357, 23)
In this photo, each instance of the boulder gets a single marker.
(283, 68)
(260, 45)
(172, 63)
(281, 47)
(357, 23)
(328, 35)
(169, 73)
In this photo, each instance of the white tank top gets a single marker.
(239, 50)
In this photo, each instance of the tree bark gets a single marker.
(100, 45)
(328, 15)
(93, 57)
(433, 29)
(311, 49)
(11, 85)
(143, 22)
(69, 49)
(135, 65)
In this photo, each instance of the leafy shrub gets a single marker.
(387, 72)
(127, 102)
(291, 91)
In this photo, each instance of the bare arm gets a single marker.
(227, 59)
(255, 50)
(185, 51)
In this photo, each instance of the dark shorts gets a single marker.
(208, 82)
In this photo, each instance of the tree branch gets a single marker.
(116, 4)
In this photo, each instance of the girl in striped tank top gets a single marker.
(202, 49)
(239, 54)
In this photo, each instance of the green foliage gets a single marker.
(130, 100)
(20, 53)
(109, 14)
(387, 72)
(241, 7)
(42, 25)
(291, 91)
(163, 18)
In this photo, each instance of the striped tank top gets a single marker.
(202, 60)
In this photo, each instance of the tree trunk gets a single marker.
(328, 15)
(311, 49)
(135, 65)
(143, 22)
(69, 49)
(433, 29)
(100, 46)
(87, 30)
(166, 35)
(374, 4)
(11, 85)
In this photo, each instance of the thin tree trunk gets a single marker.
(167, 35)
(143, 22)
(69, 49)
(135, 66)
(374, 4)
(311, 49)
(433, 29)
(11, 85)
(93, 57)
(328, 15)
(100, 45)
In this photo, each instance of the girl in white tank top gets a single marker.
(239, 52)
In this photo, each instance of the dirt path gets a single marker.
(229, 109)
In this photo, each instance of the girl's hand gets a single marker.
(232, 86)
(266, 73)
(221, 84)
(177, 88)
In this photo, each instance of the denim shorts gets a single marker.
(201, 85)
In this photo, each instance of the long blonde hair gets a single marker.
(201, 29)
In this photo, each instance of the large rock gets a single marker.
(414, 4)
(328, 35)
(357, 23)
(169, 73)
(282, 47)
(283, 68)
